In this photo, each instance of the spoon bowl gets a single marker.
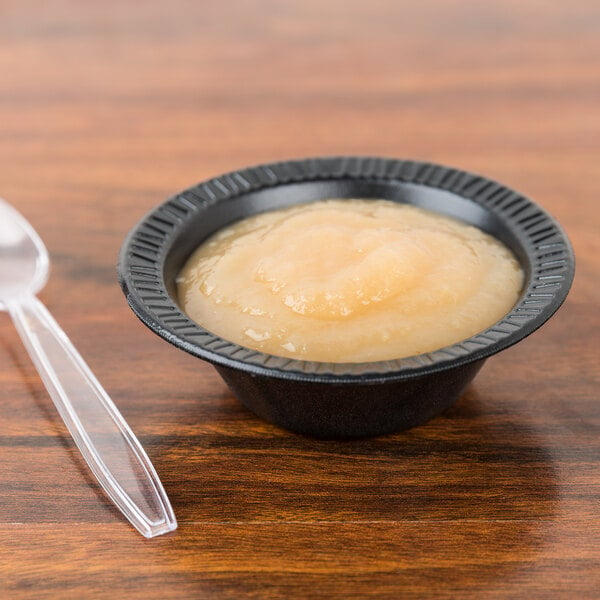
(24, 262)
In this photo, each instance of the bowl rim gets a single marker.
(144, 250)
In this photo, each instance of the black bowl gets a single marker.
(335, 400)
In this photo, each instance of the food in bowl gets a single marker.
(345, 399)
(349, 280)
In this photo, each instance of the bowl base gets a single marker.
(337, 411)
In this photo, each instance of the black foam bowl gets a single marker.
(336, 400)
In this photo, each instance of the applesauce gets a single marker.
(349, 281)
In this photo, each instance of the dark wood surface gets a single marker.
(107, 108)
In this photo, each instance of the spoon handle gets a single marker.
(106, 442)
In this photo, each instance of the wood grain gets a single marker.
(108, 108)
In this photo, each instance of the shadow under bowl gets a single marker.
(341, 400)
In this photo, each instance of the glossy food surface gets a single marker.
(349, 281)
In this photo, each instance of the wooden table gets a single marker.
(107, 108)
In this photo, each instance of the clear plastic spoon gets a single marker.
(106, 442)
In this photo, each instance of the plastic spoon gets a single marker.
(105, 440)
